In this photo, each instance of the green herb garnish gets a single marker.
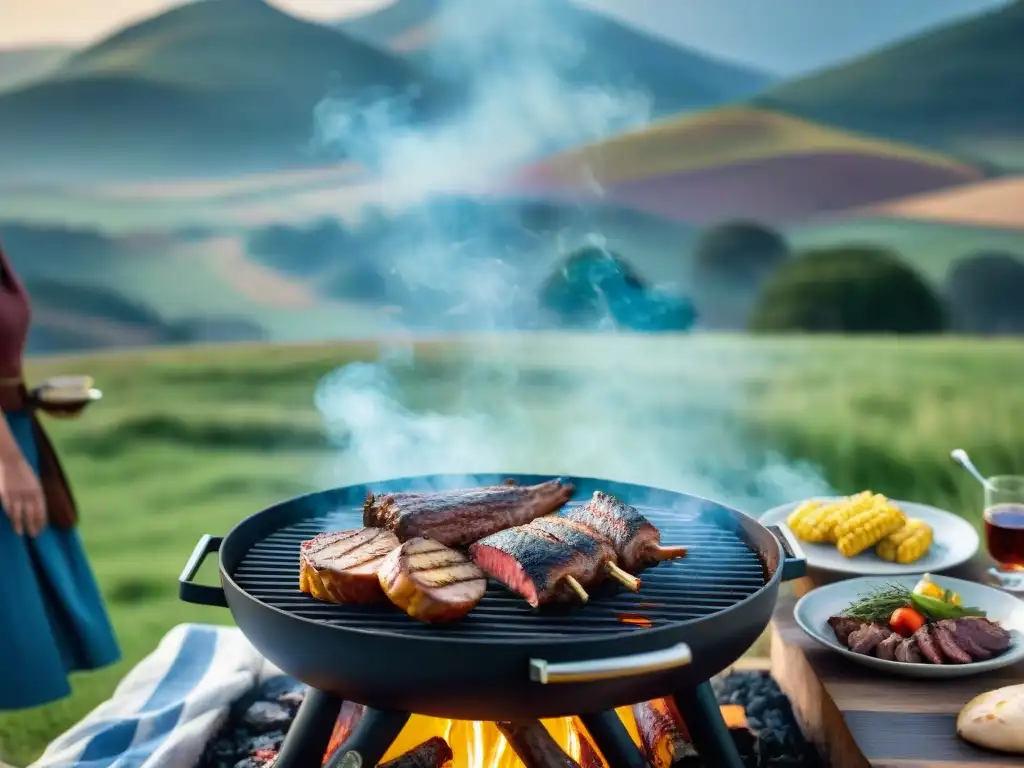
(880, 602)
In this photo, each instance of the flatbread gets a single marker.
(995, 720)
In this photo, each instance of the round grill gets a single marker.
(719, 571)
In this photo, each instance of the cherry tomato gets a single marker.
(906, 621)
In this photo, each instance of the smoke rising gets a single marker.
(660, 412)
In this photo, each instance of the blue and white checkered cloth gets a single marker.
(168, 707)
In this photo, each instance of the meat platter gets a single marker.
(431, 553)
(917, 626)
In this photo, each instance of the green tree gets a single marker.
(985, 293)
(848, 290)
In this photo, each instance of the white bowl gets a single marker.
(955, 542)
(813, 610)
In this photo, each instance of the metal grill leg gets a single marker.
(310, 732)
(373, 735)
(708, 731)
(613, 740)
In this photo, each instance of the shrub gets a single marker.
(848, 290)
(738, 254)
(985, 293)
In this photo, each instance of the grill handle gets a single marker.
(794, 562)
(545, 672)
(201, 594)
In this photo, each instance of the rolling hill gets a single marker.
(207, 88)
(19, 65)
(997, 203)
(742, 162)
(956, 89)
(606, 53)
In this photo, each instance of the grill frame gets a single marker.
(422, 670)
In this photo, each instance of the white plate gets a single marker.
(955, 541)
(814, 609)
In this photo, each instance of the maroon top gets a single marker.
(15, 316)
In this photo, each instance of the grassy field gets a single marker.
(188, 441)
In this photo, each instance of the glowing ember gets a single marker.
(635, 619)
(481, 745)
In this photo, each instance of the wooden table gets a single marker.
(860, 718)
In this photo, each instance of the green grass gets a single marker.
(187, 442)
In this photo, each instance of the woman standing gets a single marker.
(52, 619)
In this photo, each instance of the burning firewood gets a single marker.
(533, 744)
(589, 756)
(665, 739)
(432, 753)
(349, 717)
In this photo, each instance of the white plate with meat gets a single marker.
(951, 540)
(916, 627)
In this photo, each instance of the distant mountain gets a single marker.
(19, 65)
(210, 87)
(957, 89)
(607, 52)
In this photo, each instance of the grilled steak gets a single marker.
(907, 651)
(928, 646)
(637, 542)
(530, 563)
(886, 650)
(844, 626)
(594, 550)
(980, 638)
(867, 638)
(431, 582)
(458, 518)
(947, 645)
(341, 567)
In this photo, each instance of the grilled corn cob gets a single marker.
(841, 512)
(803, 520)
(907, 545)
(868, 528)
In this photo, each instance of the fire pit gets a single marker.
(505, 663)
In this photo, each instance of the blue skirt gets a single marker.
(52, 618)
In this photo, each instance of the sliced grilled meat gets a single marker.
(597, 551)
(963, 634)
(341, 567)
(532, 564)
(637, 542)
(985, 633)
(533, 745)
(928, 646)
(844, 626)
(431, 582)
(458, 518)
(867, 638)
(908, 652)
(947, 645)
(886, 650)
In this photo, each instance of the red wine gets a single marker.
(1004, 534)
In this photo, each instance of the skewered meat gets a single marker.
(637, 542)
(540, 568)
(598, 552)
(431, 582)
(432, 753)
(458, 518)
(533, 744)
(341, 566)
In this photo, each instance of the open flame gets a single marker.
(477, 744)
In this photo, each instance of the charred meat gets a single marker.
(341, 566)
(534, 565)
(431, 582)
(458, 518)
(637, 542)
(598, 553)
(949, 641)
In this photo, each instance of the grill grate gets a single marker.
(719, 571)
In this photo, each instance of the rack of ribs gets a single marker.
(458, 518)
(636, 541)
